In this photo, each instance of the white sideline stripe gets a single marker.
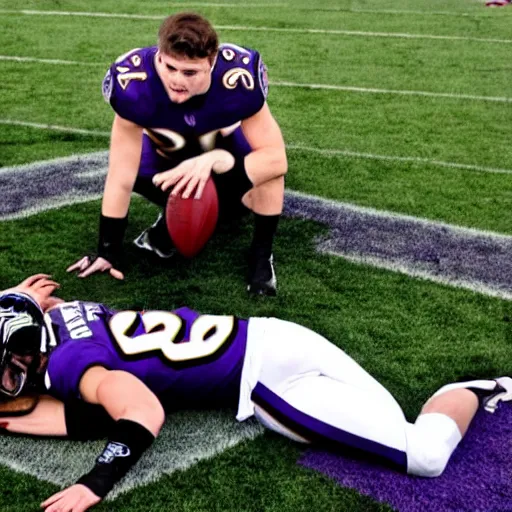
(34, 166)
(358, 33)
(420, 13)
(47, 61)
(427, 276)
(387, 214)
(34, 12)
(413, 159)
(294, 147)
(54, 127)
(277, 83)
(399, 35)
(498, 99)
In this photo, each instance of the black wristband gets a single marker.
(85, 421)
(110, 245)
(236, 177)
(128, 442)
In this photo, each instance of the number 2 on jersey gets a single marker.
(163, 331)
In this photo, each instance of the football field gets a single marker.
(396, 242)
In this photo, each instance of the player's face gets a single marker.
(14, 374)
(183, 77)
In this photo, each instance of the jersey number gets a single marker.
(124, 79)
(163, 332)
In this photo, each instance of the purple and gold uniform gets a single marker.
(292, 379)
(174, 132)
(180, 355)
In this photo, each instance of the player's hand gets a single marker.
(76, 498)
(192, 174)
(90, 265)
(40, 287)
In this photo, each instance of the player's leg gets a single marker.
(445, 419)
(308, 389)
(266, 203)
(155, 238)
(321, 410)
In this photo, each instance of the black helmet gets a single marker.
(23, 340)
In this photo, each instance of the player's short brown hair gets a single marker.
(188, 34)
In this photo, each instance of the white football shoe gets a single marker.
(503, 394)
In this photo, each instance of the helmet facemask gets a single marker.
(23, 335)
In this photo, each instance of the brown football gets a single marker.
(191, 222)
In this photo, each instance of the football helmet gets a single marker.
(23, 341)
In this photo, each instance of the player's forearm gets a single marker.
(124, 161)
(75, 419)
(116, 198)
(46, 419)
(139, 418)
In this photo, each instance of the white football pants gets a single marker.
(299, 384)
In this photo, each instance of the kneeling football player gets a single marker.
(186, 110)
(292, 379)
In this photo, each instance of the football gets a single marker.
(191, 222)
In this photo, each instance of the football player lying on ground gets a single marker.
(186, 110)
(133, 364)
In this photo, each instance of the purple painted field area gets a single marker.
(462, 257)
(477, 479)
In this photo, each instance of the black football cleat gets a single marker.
(155, 240)
(262, 276)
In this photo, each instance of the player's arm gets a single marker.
(124, 161)
(123, 166)
(47, 416)
(267, 160)
(36, 416)
(139, 416)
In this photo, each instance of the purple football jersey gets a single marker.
(178, 131)
(185, 358)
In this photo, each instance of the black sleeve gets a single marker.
(85, 421)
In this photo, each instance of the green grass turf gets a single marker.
(412, 335)
(261, 475)
(432, 65)
(21, 145)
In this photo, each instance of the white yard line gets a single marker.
(278, 83)
(358, 33)
(349, 88)
(54, 127)
(15, 58)
(293, 147)
(413, 12)
(428, 276)
(368, 211)
(412, 159)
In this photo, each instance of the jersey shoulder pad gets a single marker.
(126, 83)
(243, 70)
